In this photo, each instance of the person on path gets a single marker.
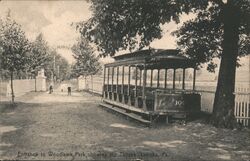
(50, 89)
(69, 91)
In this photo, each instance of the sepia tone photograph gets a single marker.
(125, 80)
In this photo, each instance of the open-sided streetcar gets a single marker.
(137, 85)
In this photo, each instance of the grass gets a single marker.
(7, 106)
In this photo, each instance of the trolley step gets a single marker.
(123, 112)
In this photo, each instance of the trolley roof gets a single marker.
(153, 59)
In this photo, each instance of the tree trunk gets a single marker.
(86, 88)
(35, 83)
(92, 84)
(223, 110)
(11, 87)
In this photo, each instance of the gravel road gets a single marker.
(59, 127)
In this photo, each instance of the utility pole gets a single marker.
(1, 77)
(52, 77)
(53, 70)
(92, 84)
(54, 66)
(54, 63)
(58, 71)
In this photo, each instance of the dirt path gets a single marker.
(61, 127)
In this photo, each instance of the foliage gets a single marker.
(14, 46)
(124, 24)
(86, 61)
(62, 70)
(39, 55)
(56, 65)
(201, 38)
(120, 25)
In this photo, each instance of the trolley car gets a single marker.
(137, 85)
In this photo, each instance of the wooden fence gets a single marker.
(242, 108)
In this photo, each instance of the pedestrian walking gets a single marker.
(69, 91)
(50, 89)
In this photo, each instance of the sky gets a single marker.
(51, 18)
(54, 18)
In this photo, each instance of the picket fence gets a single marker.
(242, 108)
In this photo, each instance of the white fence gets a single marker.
(93, 84)
(3, 88)
(242, 108)
(22, 86)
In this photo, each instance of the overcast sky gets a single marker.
(53, 19)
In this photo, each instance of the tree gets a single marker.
(218, 29)
(38, 56)
(14, 48)
(62, 67)
(86, 61)
(56, 66)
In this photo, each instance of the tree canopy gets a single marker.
(129, 24)
(14, 46)
(201, 38)
(86, 61)
(39, 55)
(62, 67)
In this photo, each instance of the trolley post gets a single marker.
(151, 78)
(129, 99)
(108, 82)
(112, 82)
(174, 80)
(140, 77)
(103, 87)
(117, 83)
(158, 78)
(194, 77)
(144, 87)
(183, 79)
(136, 79)
(123, 100)
(166, 74)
